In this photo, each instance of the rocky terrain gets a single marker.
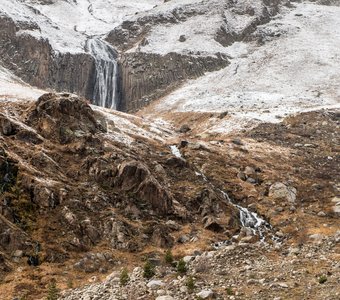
(86, 191)
(222, 184)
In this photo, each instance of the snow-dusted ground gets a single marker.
(296, 71)
(200, 30)
(67, 24)
(12, 88)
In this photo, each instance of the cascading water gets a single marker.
(105, 92)
(248, 218)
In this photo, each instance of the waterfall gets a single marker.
(105, 92)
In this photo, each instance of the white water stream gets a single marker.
(248, 219)
(106, 77)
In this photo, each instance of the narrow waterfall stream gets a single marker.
(248, 218)
(105, 91)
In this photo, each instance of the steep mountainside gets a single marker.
(230, 158)
(156, 45)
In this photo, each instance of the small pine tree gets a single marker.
(53, 291)
(322, 279)
(124, 277)
(169, 257)
(149, 270)
(190, 283)
(181, 267)
(230, 291)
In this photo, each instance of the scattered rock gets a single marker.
(155, 284)
(205, 294)
(182, 38)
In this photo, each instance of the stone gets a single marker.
(242, 176)
(212, 224)
(7, 126)
(251, 180)
(317, 237)
(237, 142)
(205, 294)
(155, 284)
(188, 258)
(321, 214)
(178, 162)
(249, 171)
(18, 253)
(182, 38)
(183, 239)
(167, 297)
(184, 128)
(282, 192)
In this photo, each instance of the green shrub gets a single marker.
(190, 283)
(322, 279)
(149, 270)
(53, 291)
(124, 277)
(169, 259)
(181, 267)
(230, 292)
(69, 283)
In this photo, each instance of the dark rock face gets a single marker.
(64, 118)
(134, 176)
(141, 84)
(38, 64)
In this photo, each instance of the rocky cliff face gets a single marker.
(47, 53)
(37, 63)
(145, 76)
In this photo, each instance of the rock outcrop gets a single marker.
(64, 118)
(37, 63)
(140, 83)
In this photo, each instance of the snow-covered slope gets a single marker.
(296, 69)
(67, 24)
(12, 88)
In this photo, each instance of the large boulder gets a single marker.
(64, 118)
(281, 191)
